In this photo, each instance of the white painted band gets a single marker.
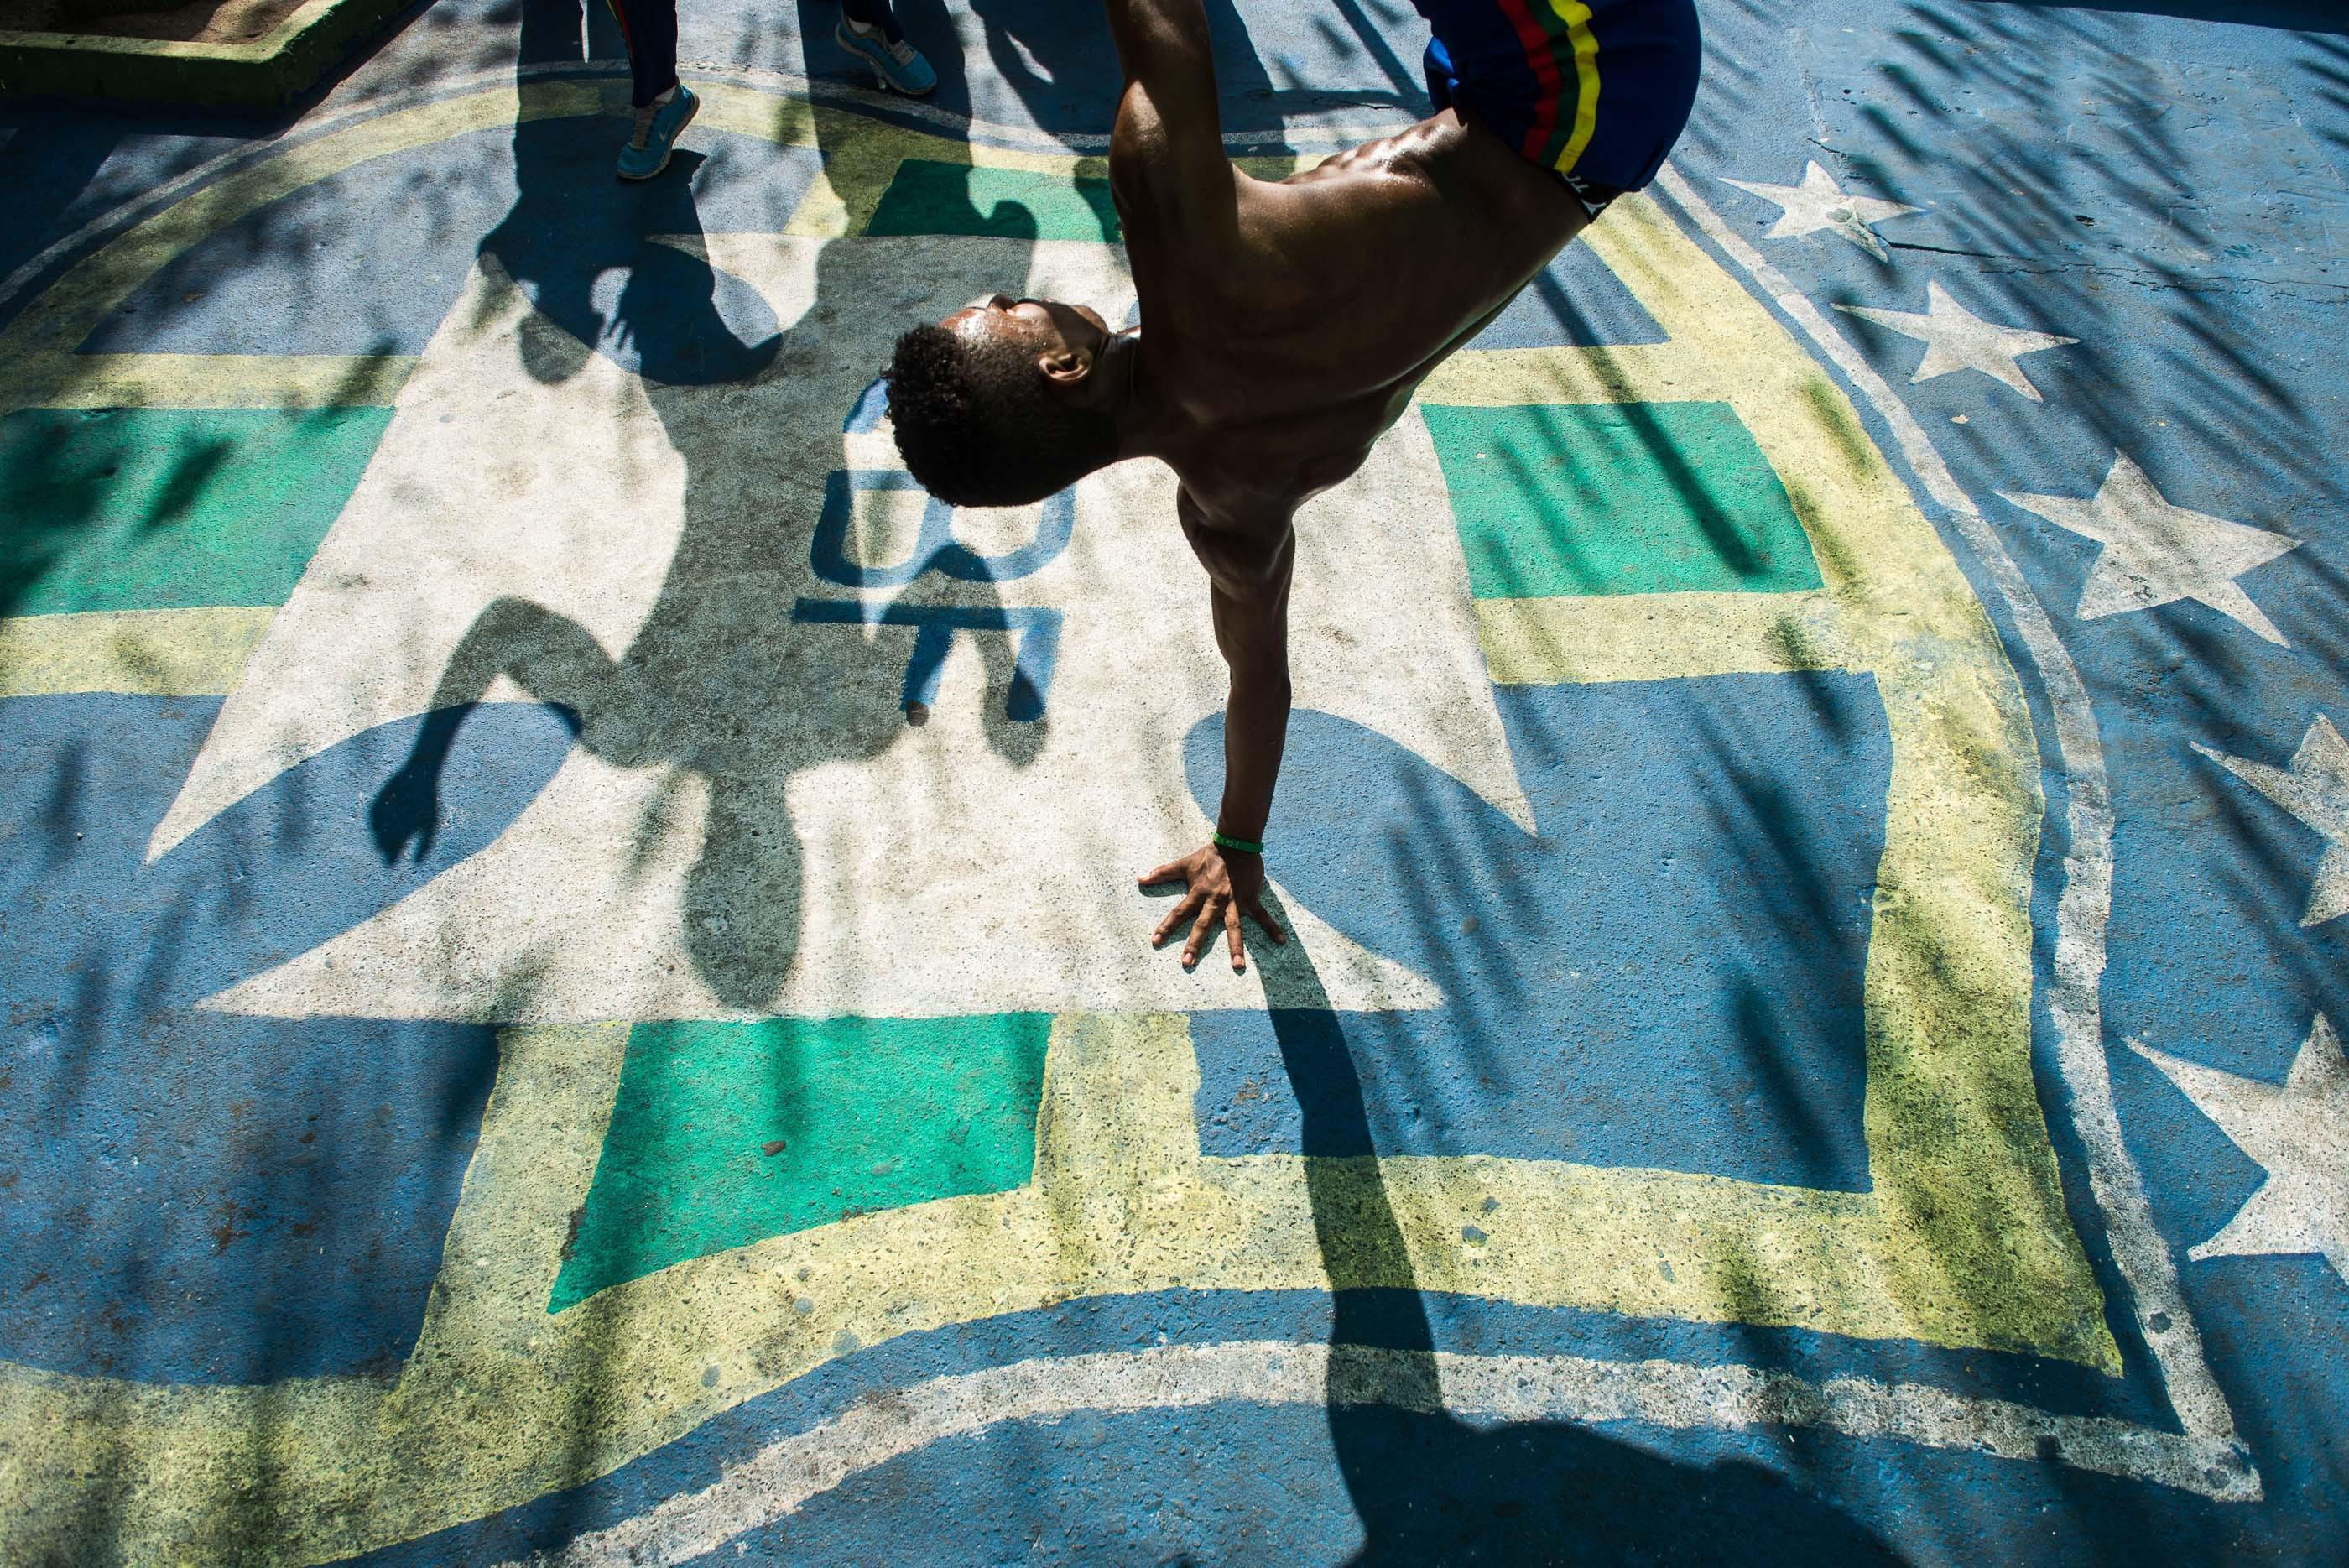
(780, 1479)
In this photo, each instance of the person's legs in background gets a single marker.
(649, 28)
(870, 32)
(664, 105)
(870, 13)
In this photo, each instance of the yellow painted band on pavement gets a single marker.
(1956, 1138)
(153, 653)
(214, 381)
(1963, 1240)
(1958, 1151)
(1616, 373)
(1657, 636)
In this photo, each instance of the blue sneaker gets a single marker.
(657, 125)
(900, 66)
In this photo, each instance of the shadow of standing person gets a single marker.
(718, 682)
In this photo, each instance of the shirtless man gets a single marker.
(1289, 321)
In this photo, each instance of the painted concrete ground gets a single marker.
(572, 982)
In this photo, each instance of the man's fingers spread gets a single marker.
(1200, 933)
(1174, 917)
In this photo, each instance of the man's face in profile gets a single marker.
(1065, 338)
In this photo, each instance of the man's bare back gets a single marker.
(1288, 323)
(1286, 340)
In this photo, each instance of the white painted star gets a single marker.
(1819, 202)
(2300, 1135)
(1955, 338)
(2315, 789)
(2154, 552)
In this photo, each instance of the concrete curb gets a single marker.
(262, 73)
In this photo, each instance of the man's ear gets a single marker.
(1066, 364)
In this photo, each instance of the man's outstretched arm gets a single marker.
(1168, 142)
(1248, 573)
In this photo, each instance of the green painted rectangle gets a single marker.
(929, 197)
(872, 1113)
(122, 509)
(1616, 498)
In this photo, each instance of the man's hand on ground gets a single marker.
(1221, 890)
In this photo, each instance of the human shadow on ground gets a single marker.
(720, 681)
(1429, 1487)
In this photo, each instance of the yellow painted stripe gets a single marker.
(1658, 637)
(153, 653)
(206, 381)
(1610, 373)
(1577, 17)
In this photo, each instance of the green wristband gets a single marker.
(1226, 841)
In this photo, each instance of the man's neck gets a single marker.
(1141, 412)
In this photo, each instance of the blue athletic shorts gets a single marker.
(1595, 90)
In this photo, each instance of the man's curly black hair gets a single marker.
(978, 425)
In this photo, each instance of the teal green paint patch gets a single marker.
(122, 509)
(1618, 498)
(928, 197)
(869, 1113)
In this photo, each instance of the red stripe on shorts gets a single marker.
(1540, 55)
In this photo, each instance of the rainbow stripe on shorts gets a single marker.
(1595, 90)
